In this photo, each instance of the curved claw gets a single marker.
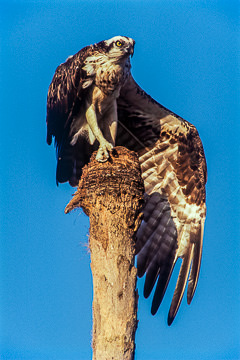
(104, 148)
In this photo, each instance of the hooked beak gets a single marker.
(131, 50)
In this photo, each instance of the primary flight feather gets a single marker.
(94, 103)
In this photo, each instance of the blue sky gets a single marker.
(186, 58)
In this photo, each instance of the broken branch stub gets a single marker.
(111, 194)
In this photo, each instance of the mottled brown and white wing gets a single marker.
(174, 173)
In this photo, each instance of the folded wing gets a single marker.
(66, 95)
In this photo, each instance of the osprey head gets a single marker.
(118, 47)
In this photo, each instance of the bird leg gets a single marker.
(109, 123)
(104, 145)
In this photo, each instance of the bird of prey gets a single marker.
(94, 103)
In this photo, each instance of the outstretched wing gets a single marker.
(174, 171)
(65, 99)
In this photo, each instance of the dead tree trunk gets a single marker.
(111, 194)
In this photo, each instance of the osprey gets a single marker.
(94, 103)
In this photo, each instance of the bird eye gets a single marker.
(119, 43)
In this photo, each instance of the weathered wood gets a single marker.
(111, 194)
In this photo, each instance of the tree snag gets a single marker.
(111, 194)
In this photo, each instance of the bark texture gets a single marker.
(111, 194)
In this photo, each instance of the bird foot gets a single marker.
(104, 148)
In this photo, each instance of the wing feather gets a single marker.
(174, 172)
(161, 287)
(196, 263)
(181, 284)
(65, 98)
